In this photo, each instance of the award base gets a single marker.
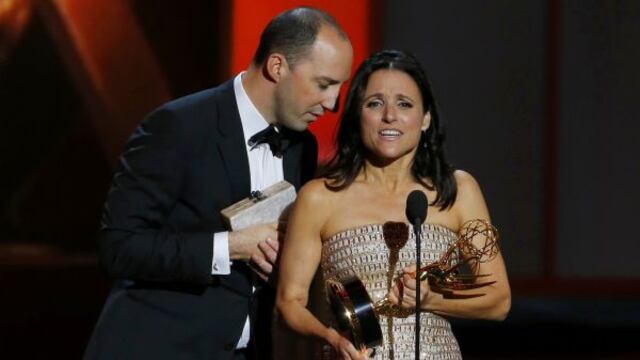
(354, 311)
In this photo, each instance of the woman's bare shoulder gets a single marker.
(315, 199)
(465, 182)
(470, 203)
(315, 192)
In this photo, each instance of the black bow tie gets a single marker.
(277, 142)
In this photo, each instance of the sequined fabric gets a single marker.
(362, 251)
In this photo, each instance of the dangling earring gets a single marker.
(424, 137)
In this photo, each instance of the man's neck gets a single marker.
(260, 92)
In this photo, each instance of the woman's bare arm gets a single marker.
(495, 302)
(300, 258)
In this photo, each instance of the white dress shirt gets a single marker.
(265, 169)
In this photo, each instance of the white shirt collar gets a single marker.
(251, 119)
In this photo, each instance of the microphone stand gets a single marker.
(417, 230)
(417, 206)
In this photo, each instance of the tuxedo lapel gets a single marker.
(290, 164)
(233, 151)
(231, 146)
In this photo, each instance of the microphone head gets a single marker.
(416, 207)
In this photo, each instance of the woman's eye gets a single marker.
(405, 104)
(373, 104)
(323, 86)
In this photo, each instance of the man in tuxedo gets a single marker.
(186, 287)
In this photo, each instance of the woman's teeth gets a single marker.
(390, 133)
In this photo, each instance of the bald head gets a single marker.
(293, 33)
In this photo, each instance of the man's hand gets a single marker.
(258, 244)
(264, 261)
(244, 243)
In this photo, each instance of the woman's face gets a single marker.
(392, 115)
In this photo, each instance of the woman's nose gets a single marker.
(389, 114)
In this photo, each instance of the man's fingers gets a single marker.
(262, 264)
(258, 271)
(275, 245)
(261, 275)
(267, 250)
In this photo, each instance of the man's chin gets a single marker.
(303, 126)
(299, 125)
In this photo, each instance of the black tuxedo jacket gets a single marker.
(184, 163)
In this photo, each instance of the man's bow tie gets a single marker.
(277, 142)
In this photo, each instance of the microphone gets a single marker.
(416, 213)
(416, 207)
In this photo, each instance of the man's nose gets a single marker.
(332, 102)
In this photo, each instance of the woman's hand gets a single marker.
(344, 348)
(404, 293)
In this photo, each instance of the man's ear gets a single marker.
(276, 67)
(426, 121)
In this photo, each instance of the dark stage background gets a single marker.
(539, 99)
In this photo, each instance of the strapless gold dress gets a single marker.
(362, 251)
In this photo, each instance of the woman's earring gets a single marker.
(424, 137)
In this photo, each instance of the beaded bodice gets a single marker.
(362, 251)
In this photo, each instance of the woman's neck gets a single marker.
(394, 176)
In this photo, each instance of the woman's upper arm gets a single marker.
(302, 247)
(471, 205)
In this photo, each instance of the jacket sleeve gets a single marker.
(135, 241)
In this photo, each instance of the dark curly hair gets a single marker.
(429, 161)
